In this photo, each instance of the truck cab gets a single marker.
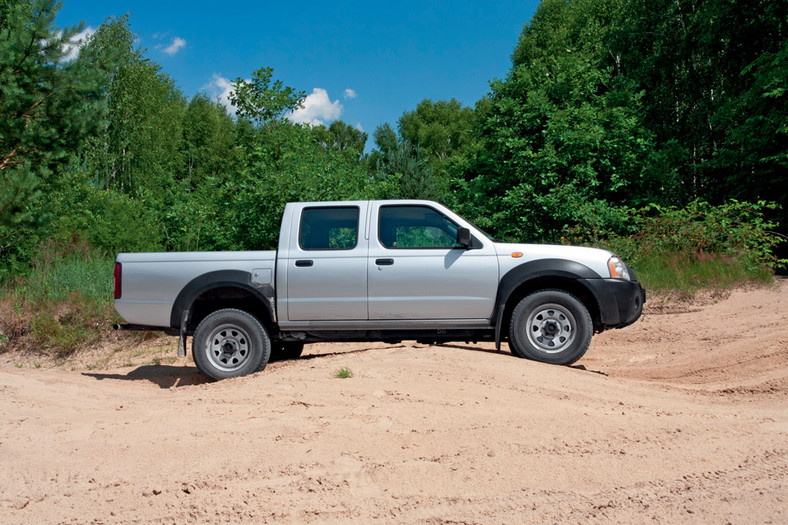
(381, 262)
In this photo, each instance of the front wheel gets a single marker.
(230, 343)
(551, 326)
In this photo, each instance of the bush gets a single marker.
(62, 304)
(737, 229)
(697, 246)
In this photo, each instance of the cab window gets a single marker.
(415, 227)
(334, 228)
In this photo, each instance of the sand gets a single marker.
(680, 418)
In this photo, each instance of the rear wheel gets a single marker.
(230, 343)
(551, 326)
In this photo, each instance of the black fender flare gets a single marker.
(220, 279)
(532, 270)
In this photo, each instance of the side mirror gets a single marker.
(463, 237)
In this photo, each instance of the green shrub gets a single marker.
(60, 270)
(737, 229)
(687, 273)
(689, 248)
(63, 303)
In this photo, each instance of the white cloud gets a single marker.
(177, 44)
(350, 93)
(76, 42)
(358, 127)
(220, 89)
(317, 109)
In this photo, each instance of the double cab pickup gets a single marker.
(376, 271)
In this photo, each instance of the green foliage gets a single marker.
(687, 249)
(562, 130)
(262, 101)
(406, 173)
(64, 302)
(686, 274)
(107, 220)
(282, 163)
(341, 136)
(440, 129)
(736, 229)
(428, 155)
(44, 117)
(714, 76)
(64, 269)
(343, 373)
(41, 117)
(208, 148)
(617, 104)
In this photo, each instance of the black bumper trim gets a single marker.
(620, 302)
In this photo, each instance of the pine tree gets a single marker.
(42, 119)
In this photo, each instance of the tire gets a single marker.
(550, 326)
(286, 350)
(230, 343)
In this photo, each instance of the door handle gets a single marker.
(384, 262)
(304, 262)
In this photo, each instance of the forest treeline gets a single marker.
(615, 116)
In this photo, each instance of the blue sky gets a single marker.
(362, 62)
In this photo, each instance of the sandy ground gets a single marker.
(682, 417)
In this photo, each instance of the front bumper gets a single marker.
(620, 302)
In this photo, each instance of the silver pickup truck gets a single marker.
(376, 271)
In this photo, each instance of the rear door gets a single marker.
(327, 264)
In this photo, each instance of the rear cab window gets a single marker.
(328, 228)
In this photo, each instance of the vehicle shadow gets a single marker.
(307, 355)
(164, 376)
(507, 353)
(473, 348)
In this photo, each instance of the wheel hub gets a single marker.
(228, 348)
(551, 328)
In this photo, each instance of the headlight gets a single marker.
(618, 270)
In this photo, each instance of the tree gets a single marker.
(562, 131)
(285, 164)
(208, 140)
(713, 75)
(262, 101)
(42, 115)
(406, 173)
(341, 136)
(440, 129)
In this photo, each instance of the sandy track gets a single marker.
(682, 417)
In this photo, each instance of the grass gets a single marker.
(64, 303)
(343, 373)
(88, 274)
(688, 274)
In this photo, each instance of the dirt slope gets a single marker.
(682, 417)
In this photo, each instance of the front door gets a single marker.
(415, 270)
